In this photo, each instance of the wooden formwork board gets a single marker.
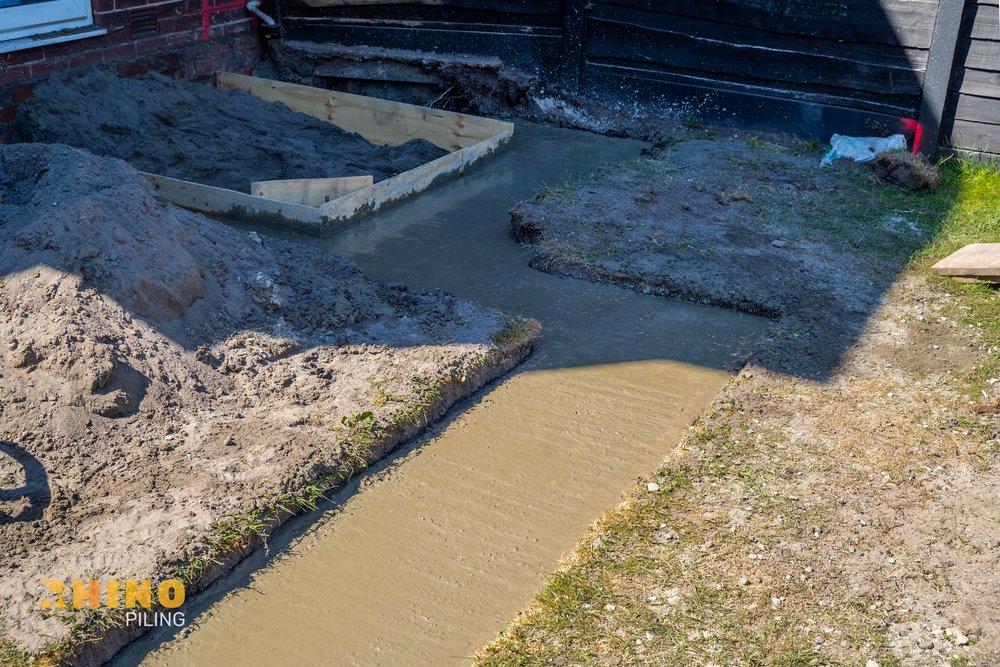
(309, 191)
(467, 138)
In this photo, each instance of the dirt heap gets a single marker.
(160, 371)
(195, 132)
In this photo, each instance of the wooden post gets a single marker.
(574, 28)
(937, 80)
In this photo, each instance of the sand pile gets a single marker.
(160, 371)
(195, 132)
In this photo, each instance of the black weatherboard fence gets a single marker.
(925, 67)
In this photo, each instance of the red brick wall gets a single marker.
(179, 49)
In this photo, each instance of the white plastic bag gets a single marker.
(861, 149)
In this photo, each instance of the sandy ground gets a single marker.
(161, 372)
(194, 132)
(836, 503)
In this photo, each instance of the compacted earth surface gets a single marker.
(751, 225)
(836, 504)
(170, 387)
(195, 132)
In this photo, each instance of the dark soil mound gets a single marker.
(198, 133)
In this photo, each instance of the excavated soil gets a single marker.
(160, 371)
(758, 228)
(195, 132)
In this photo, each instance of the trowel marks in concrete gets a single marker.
(439, 550)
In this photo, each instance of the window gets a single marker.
(21, 19)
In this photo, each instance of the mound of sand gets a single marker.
(195, 132)
(160, 371)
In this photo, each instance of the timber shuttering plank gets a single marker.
(221, 201)
(378, 121)
(309, 191)
(371, 199)
(468, 138)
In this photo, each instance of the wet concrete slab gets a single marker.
(436, 551)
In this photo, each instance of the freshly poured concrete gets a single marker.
(437, 550)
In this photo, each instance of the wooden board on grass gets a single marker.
(978, 262)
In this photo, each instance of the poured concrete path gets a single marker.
(436, 551)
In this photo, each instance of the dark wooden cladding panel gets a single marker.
(973, 136)
(649, 80)
(748, 107)
(530, 50)
(752, 56)
(972, 117)
(511, 6)
(978, 109)
(828, 64)
(978, 54)
(543, 14)
(894, 22)
(984, 21)
(870, 53)
(977, 82)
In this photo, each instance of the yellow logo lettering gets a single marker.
(58, 589)
(91, 590)
(113, 593)
(141, 592)
(171, 594)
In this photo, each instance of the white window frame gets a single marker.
(37, 18)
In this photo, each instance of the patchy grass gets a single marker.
(11, 656)
(773, 535)
(662, 581)
(972, 189)
(759, 143)
(516, 331)
(693, 122)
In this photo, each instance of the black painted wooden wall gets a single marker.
(973, 113)
(808, 66)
